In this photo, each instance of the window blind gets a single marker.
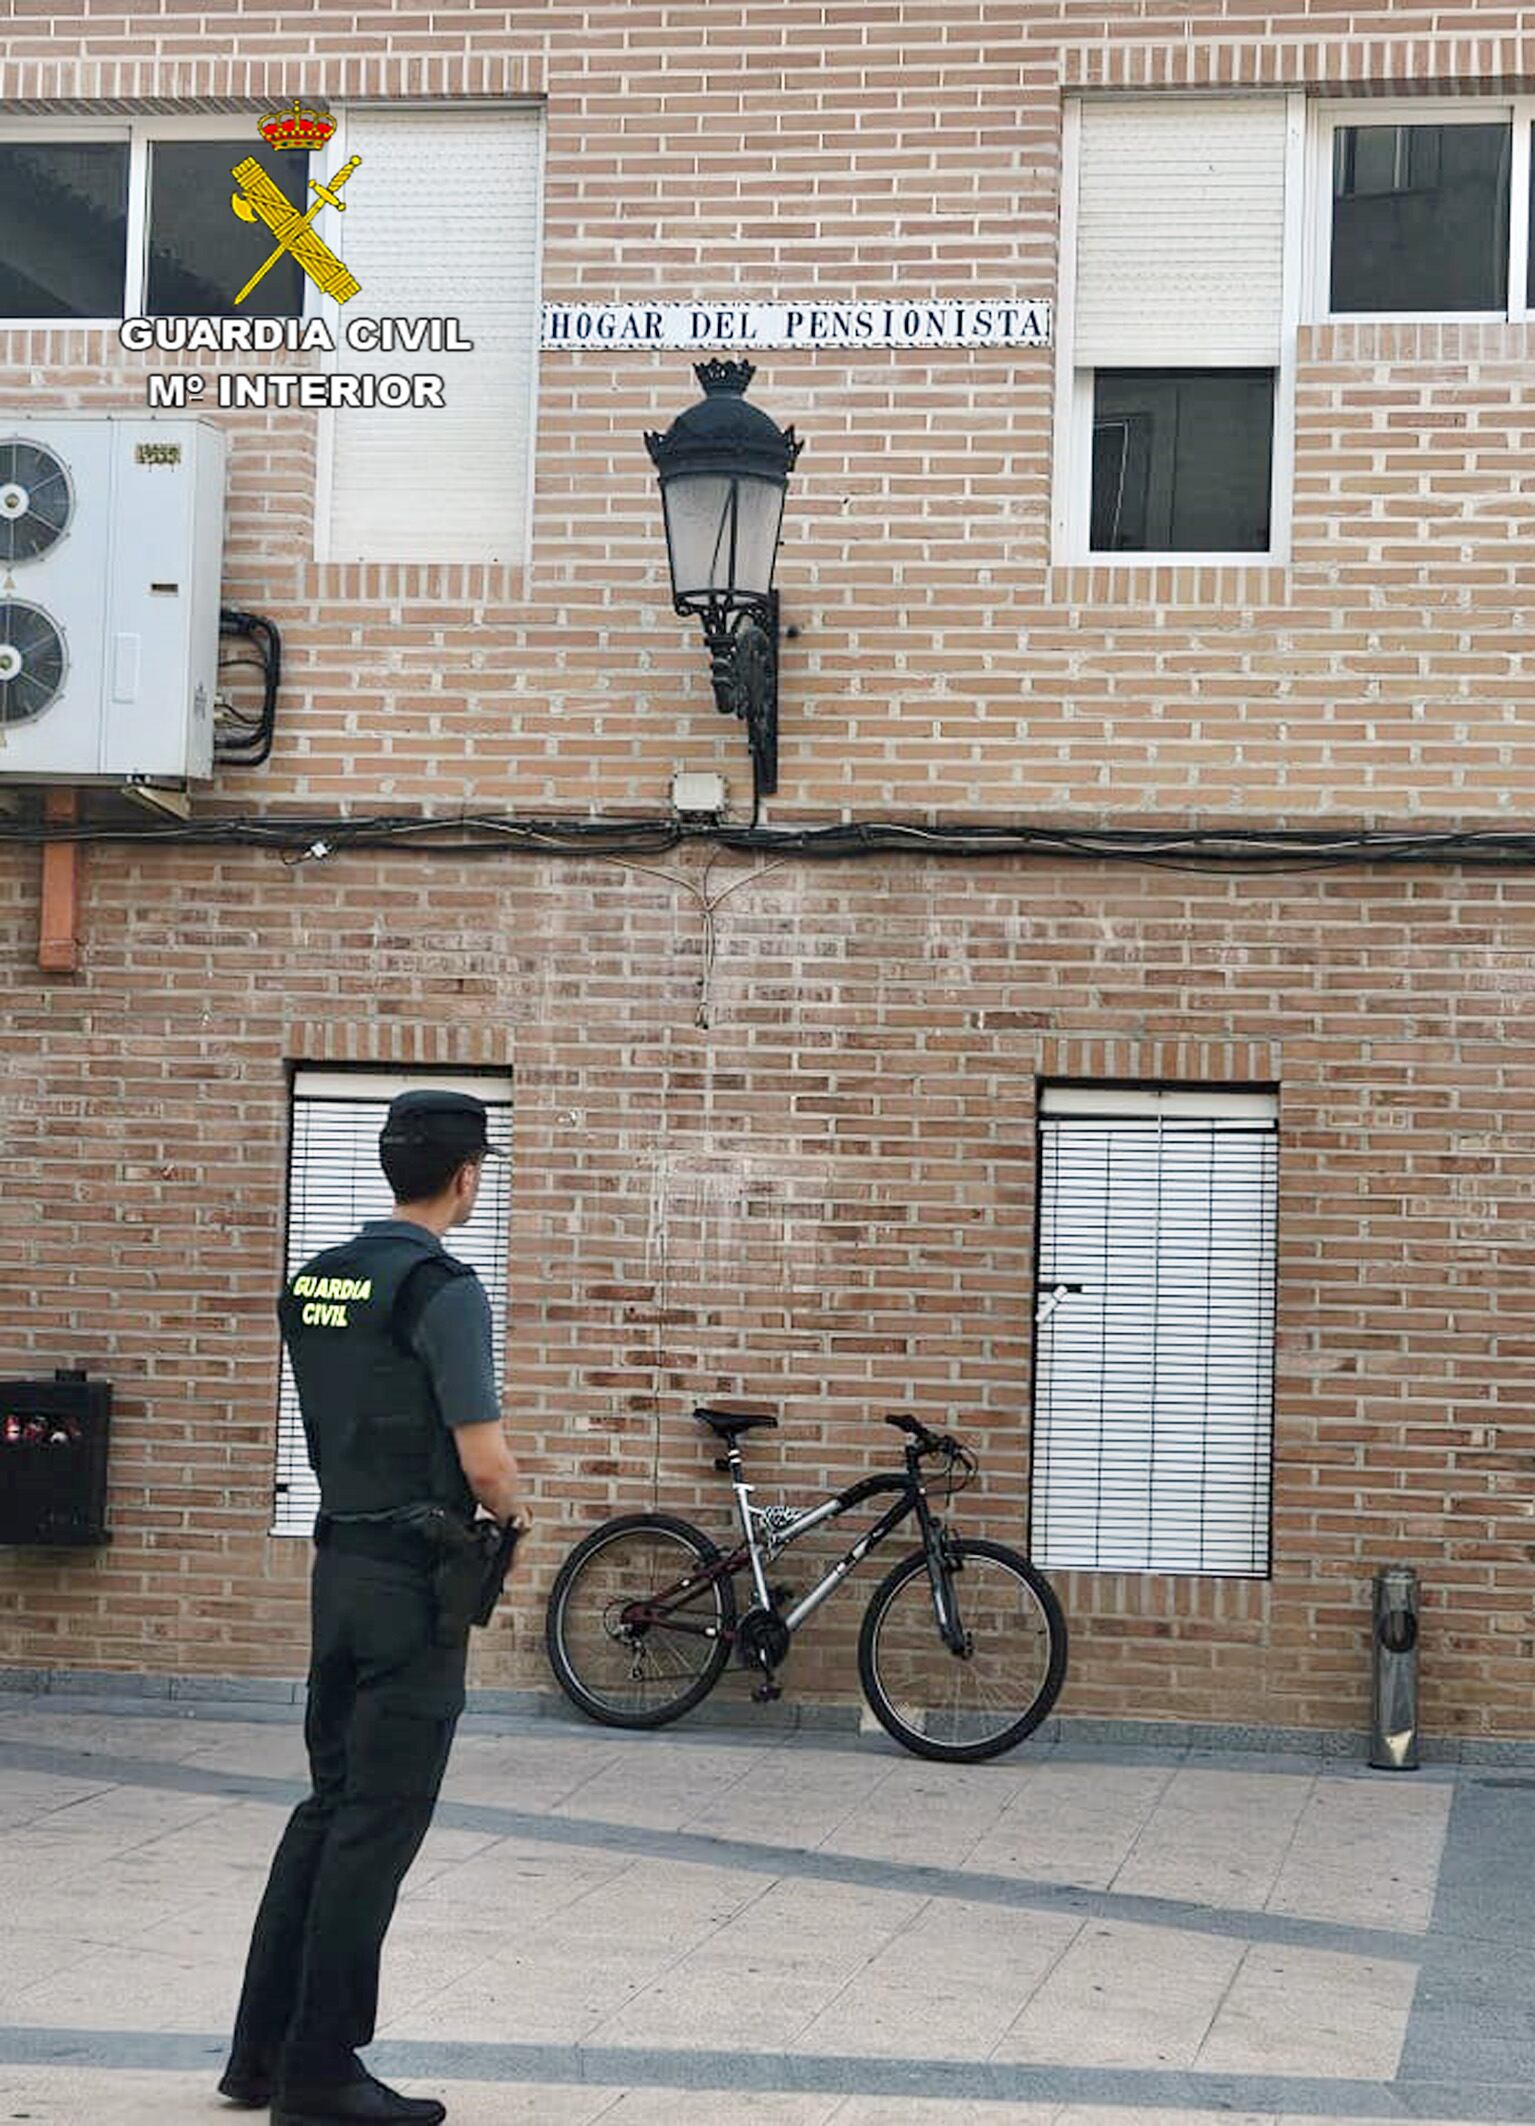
(445, 223)
(1180, 233)
(1153, 1410)
(334, 1183)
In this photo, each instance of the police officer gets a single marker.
(389, 1339)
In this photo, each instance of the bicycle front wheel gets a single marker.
(636, 1633)
(963, 1707)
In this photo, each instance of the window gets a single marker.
(1153, 1392)
(1420, 217)
(105, 219)
(1176, 320)
(1182, 460)
(200, 253)
(334, 1183)
(449, 483)
(63, 228)
(1422, 209)
(72, 194)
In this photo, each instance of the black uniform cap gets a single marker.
(445, 1121)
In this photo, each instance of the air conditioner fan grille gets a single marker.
(31, 662)
(36, 500)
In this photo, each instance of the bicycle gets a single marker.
(962, 1649)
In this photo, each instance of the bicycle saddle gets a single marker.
(729, 1424)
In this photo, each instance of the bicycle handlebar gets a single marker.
(943, 1443)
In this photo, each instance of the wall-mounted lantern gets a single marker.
(724, 467)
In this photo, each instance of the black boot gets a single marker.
(247, 2086)
(342, 2103)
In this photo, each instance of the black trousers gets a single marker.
(383, 1703)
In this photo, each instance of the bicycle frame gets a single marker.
(783, 1526)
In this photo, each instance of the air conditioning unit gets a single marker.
(111, 540)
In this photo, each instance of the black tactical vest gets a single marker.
(376, 1436)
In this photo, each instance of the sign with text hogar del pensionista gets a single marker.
(1018, 321)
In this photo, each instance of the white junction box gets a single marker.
(111, 547)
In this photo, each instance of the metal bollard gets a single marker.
(1394, 1671)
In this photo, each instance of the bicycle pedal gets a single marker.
(765, 1693)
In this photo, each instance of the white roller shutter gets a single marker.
(1153, 1399)
(442, 221)
(1180, 233)
(335, 1182)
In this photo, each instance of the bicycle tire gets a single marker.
(902, 1660)
(578, 1641)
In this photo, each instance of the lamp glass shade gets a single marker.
(722, 534)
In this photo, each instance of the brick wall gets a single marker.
(824, 1195)
(824, 1198)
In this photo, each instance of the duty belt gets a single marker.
(387, 1541)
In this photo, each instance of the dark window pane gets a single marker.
(201, 253)
(1182, 460)
(1420, 217)
(63, 228)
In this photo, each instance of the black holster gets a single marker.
(469, 1568)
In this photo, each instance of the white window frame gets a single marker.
(1325, 119)
(1071, 528)
(237, 127)
(293, 1511)
(1145, 1408)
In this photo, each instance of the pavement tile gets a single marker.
(551, 1978)
(929, 1815)
(139, 1988)
(521, 1879)
(778, 1965)
(930, 2111)
(554, 1998)
(947, 1986)
(1125, 1996)
(444, 1851)
(1308, 2011)
(1216, 1838)
(1340, 1867)
(679, 2107)
(530, 1772)
(1116, 2115)
(275, 1751)
(662, 1791)
(1071, 1823)
(68, 2096)
(154, 1740)
(815, 1800)
(668, 1906)
(33, 1954)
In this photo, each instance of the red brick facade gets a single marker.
(825, 1195)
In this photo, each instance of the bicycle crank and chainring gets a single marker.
(763, 1639)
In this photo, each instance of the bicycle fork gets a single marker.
(940, 1579)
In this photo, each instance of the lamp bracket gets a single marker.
(742, 636)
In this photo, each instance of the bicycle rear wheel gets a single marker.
(636, 1636)
(964, 1707)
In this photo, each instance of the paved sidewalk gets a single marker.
(625, 1928)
